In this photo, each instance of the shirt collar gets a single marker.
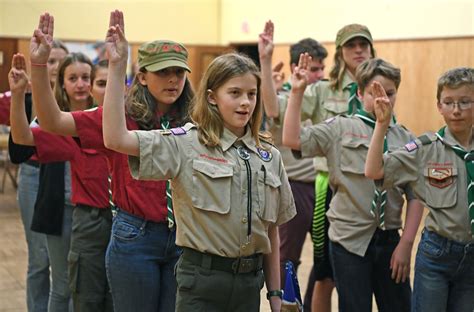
(228, 139)
(451, 140)
(346, 81)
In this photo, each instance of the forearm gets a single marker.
(374, 162)
(292, 123)
(51, 118)
(412, 221)
(269, 93)
(271, 266)
(116, 135)
(20, 129)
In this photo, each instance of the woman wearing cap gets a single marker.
(322, 100)
(142, 253)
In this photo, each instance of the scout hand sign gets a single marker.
(17, 77)
(42, 40)
(278, 76)
(115, 42)
(265, 41)
(382, 105)
(299, 78)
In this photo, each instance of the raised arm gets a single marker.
(292, 123)
(116, 135)
(265, 52)
(18, 80)
(383, 113)
(49, 115)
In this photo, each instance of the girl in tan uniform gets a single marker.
(367, 254)
(230, 190)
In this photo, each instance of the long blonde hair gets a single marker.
(206, 115)
(339, 68)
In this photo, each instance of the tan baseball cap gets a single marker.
(351, 31)
(161, 54)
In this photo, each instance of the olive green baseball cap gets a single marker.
(351, 31)
(161, 54)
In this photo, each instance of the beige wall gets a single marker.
(243, 20)
(219, 22)
(189, 21)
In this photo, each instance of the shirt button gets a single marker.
(243, 191)
(243, 246)
(244, 220)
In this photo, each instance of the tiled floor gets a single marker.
(13, 255)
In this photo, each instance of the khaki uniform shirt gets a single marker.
(210, 188)
(321, 102)
(439, 179)
(344, 140)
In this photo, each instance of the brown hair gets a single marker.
(59, 92)
(206, 115)
(141, 106)
(375, 67)
(455, 78)
(339, 68)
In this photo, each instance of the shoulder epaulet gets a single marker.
(268, 141)
(426, 139)
(402, 126)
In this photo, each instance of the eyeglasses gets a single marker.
(463, 105)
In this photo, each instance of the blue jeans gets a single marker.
(58, 249)
(357, 278)
(444, 275)
(140, 262)
(37, 277)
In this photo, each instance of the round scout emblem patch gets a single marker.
(264, 155)
(243, 153)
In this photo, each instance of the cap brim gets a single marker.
(355, 36)
(170, 63)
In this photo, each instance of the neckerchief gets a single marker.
(468, 158)
(380, 196)
(165, 124)
(353, 103)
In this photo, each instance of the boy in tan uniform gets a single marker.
(322, 100)
(366, 251)
(301, 172)
(440, 168)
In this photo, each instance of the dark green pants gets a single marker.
(87, 275)
(201, 288)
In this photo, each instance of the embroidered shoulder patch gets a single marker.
(178, 131)
(411, 146)
(329, 120)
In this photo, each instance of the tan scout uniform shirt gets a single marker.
(209, 187)
(344, 140)
(321, 102)
(439, 179)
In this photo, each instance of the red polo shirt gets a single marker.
(5, 99)
(89, 172)
(146, 199)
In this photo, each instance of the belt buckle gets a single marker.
(243, 265)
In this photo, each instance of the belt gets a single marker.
(250, 264)
(33, 163)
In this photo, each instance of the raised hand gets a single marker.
(278, 76)
(382, 106)
(115, 42)
(42, 40)
(17, 77)
(265, 41)
(299, 78)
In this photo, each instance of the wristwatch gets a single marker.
(275, 293)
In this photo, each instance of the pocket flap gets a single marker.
(336, 106)
(272, 180)
(211, 170)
